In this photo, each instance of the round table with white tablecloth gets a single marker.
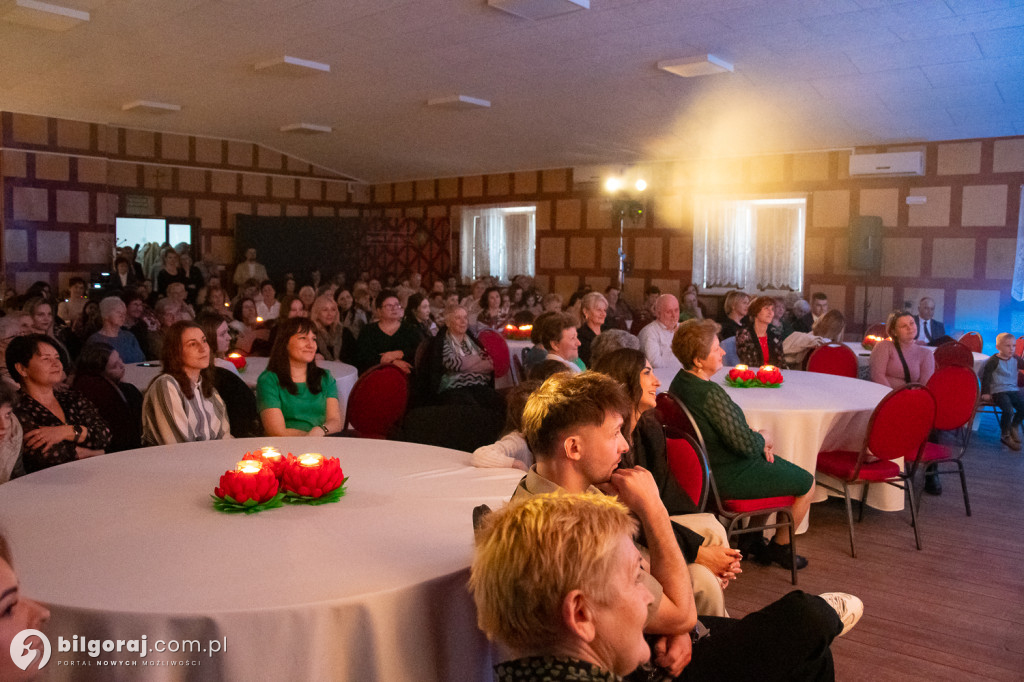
(372, 587)
(808, 413)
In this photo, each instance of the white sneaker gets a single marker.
(849, 608)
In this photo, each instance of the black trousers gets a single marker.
(787, 640)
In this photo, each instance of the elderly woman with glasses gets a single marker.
(59, 425)
(388, 341)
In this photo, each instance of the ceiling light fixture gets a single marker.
(150, 107)
(306, 128)
(701, 65)
(459, 102)
(292, 66)
(42, 15)
(539, 9)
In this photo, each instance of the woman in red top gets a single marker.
(758, 342)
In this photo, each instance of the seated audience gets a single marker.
(307, 295)
(239, 399)
(195, 280)
(930, 332)
(17, 614)
(758, 342)
(182, 405)
(70, 309)
(594, 310)
(330, 335)
(167, 313)
(551, 303)
(387, 341)
(734, 314)
(712, 563)
(999, 385)
(742, 460)
(464, 371)
(122, 277)
(798, 345)
(556, 334)
(11, 435)
(656, 337)
(897, 360)
(171, 272)
(12, 325)
(177, 292)
(690, 308)
(218, 338)
(41, 312)
(619, 312)
(492, 315)
(532, 299)
(249, 269)
(268, 307)
(217, 301)
(418, 316)
(296, 397)
(819, 306)
(612, 340)
(574, 427)
(59, 424)
(98, 377)
(472, 303)
(352, 317)
(114, 314)
(75, 334)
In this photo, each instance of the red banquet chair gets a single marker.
(497, 348)
(973, 341)
(877, 329)
(1018, 349)
(899, 427)
(377, 402)
(954, 354)
(689, 466)
(680, 425)
(833, 358)
(956, 391)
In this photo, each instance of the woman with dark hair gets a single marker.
(491, 314)
(417, 316)
(898, 360)
(182, 405)
(352, 317)
(295, 396)
(387, 341)
(170, 272)
(743, 460)
(59, 425)
(122, 277)
(238, 398)
(98, 376)
(759, 342)
(11, 465)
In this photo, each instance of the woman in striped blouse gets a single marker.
(181, 405)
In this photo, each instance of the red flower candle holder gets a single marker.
(741, 376)
(520, 333)
(250, 487)
(313, 479)
(270, 456)
(870, 341)
(238, 360)
(770, 376)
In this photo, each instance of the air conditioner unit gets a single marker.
(896, 163)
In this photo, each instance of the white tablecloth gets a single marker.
(369, 588)
(811, 412)
(864, 358)
(141, 374)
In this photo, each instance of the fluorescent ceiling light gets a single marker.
(150, 107)
(306, 128)
(292, 66)
(42, 15)
(539, 9)
(701, 65)
(459, 102)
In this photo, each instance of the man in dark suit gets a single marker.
(819, 306)
(930, 332)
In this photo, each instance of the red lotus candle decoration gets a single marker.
(271, 457)
(251, 487)
(870, 341)
(313, 479)
(741, 376)
(520, 333)
(770, 376)
(238, 360)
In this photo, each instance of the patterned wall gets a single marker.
(63, 183)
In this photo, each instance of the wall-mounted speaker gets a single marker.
(865, 252)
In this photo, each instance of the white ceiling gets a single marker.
(577, 89)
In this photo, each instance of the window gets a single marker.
(139, 231)
(498, 241)
(749, 244)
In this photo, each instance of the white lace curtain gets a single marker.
(749, 244)
(498, 241)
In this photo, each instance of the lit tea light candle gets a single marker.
(249, 466)
(311, 459)
(768, 368)
(271, 453)
(525, 327)
(259, 319)
(741, 367)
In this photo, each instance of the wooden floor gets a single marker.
(952, 611)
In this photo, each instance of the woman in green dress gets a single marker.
(742, 460)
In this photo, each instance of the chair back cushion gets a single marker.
(833, 358)
(688, 467)
(956, 397)
(973, 341)
(1018, 349)
(378, 401)
(497, 348)
(901, 423)
(675, 418)
(954, 354)
(877, 329)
